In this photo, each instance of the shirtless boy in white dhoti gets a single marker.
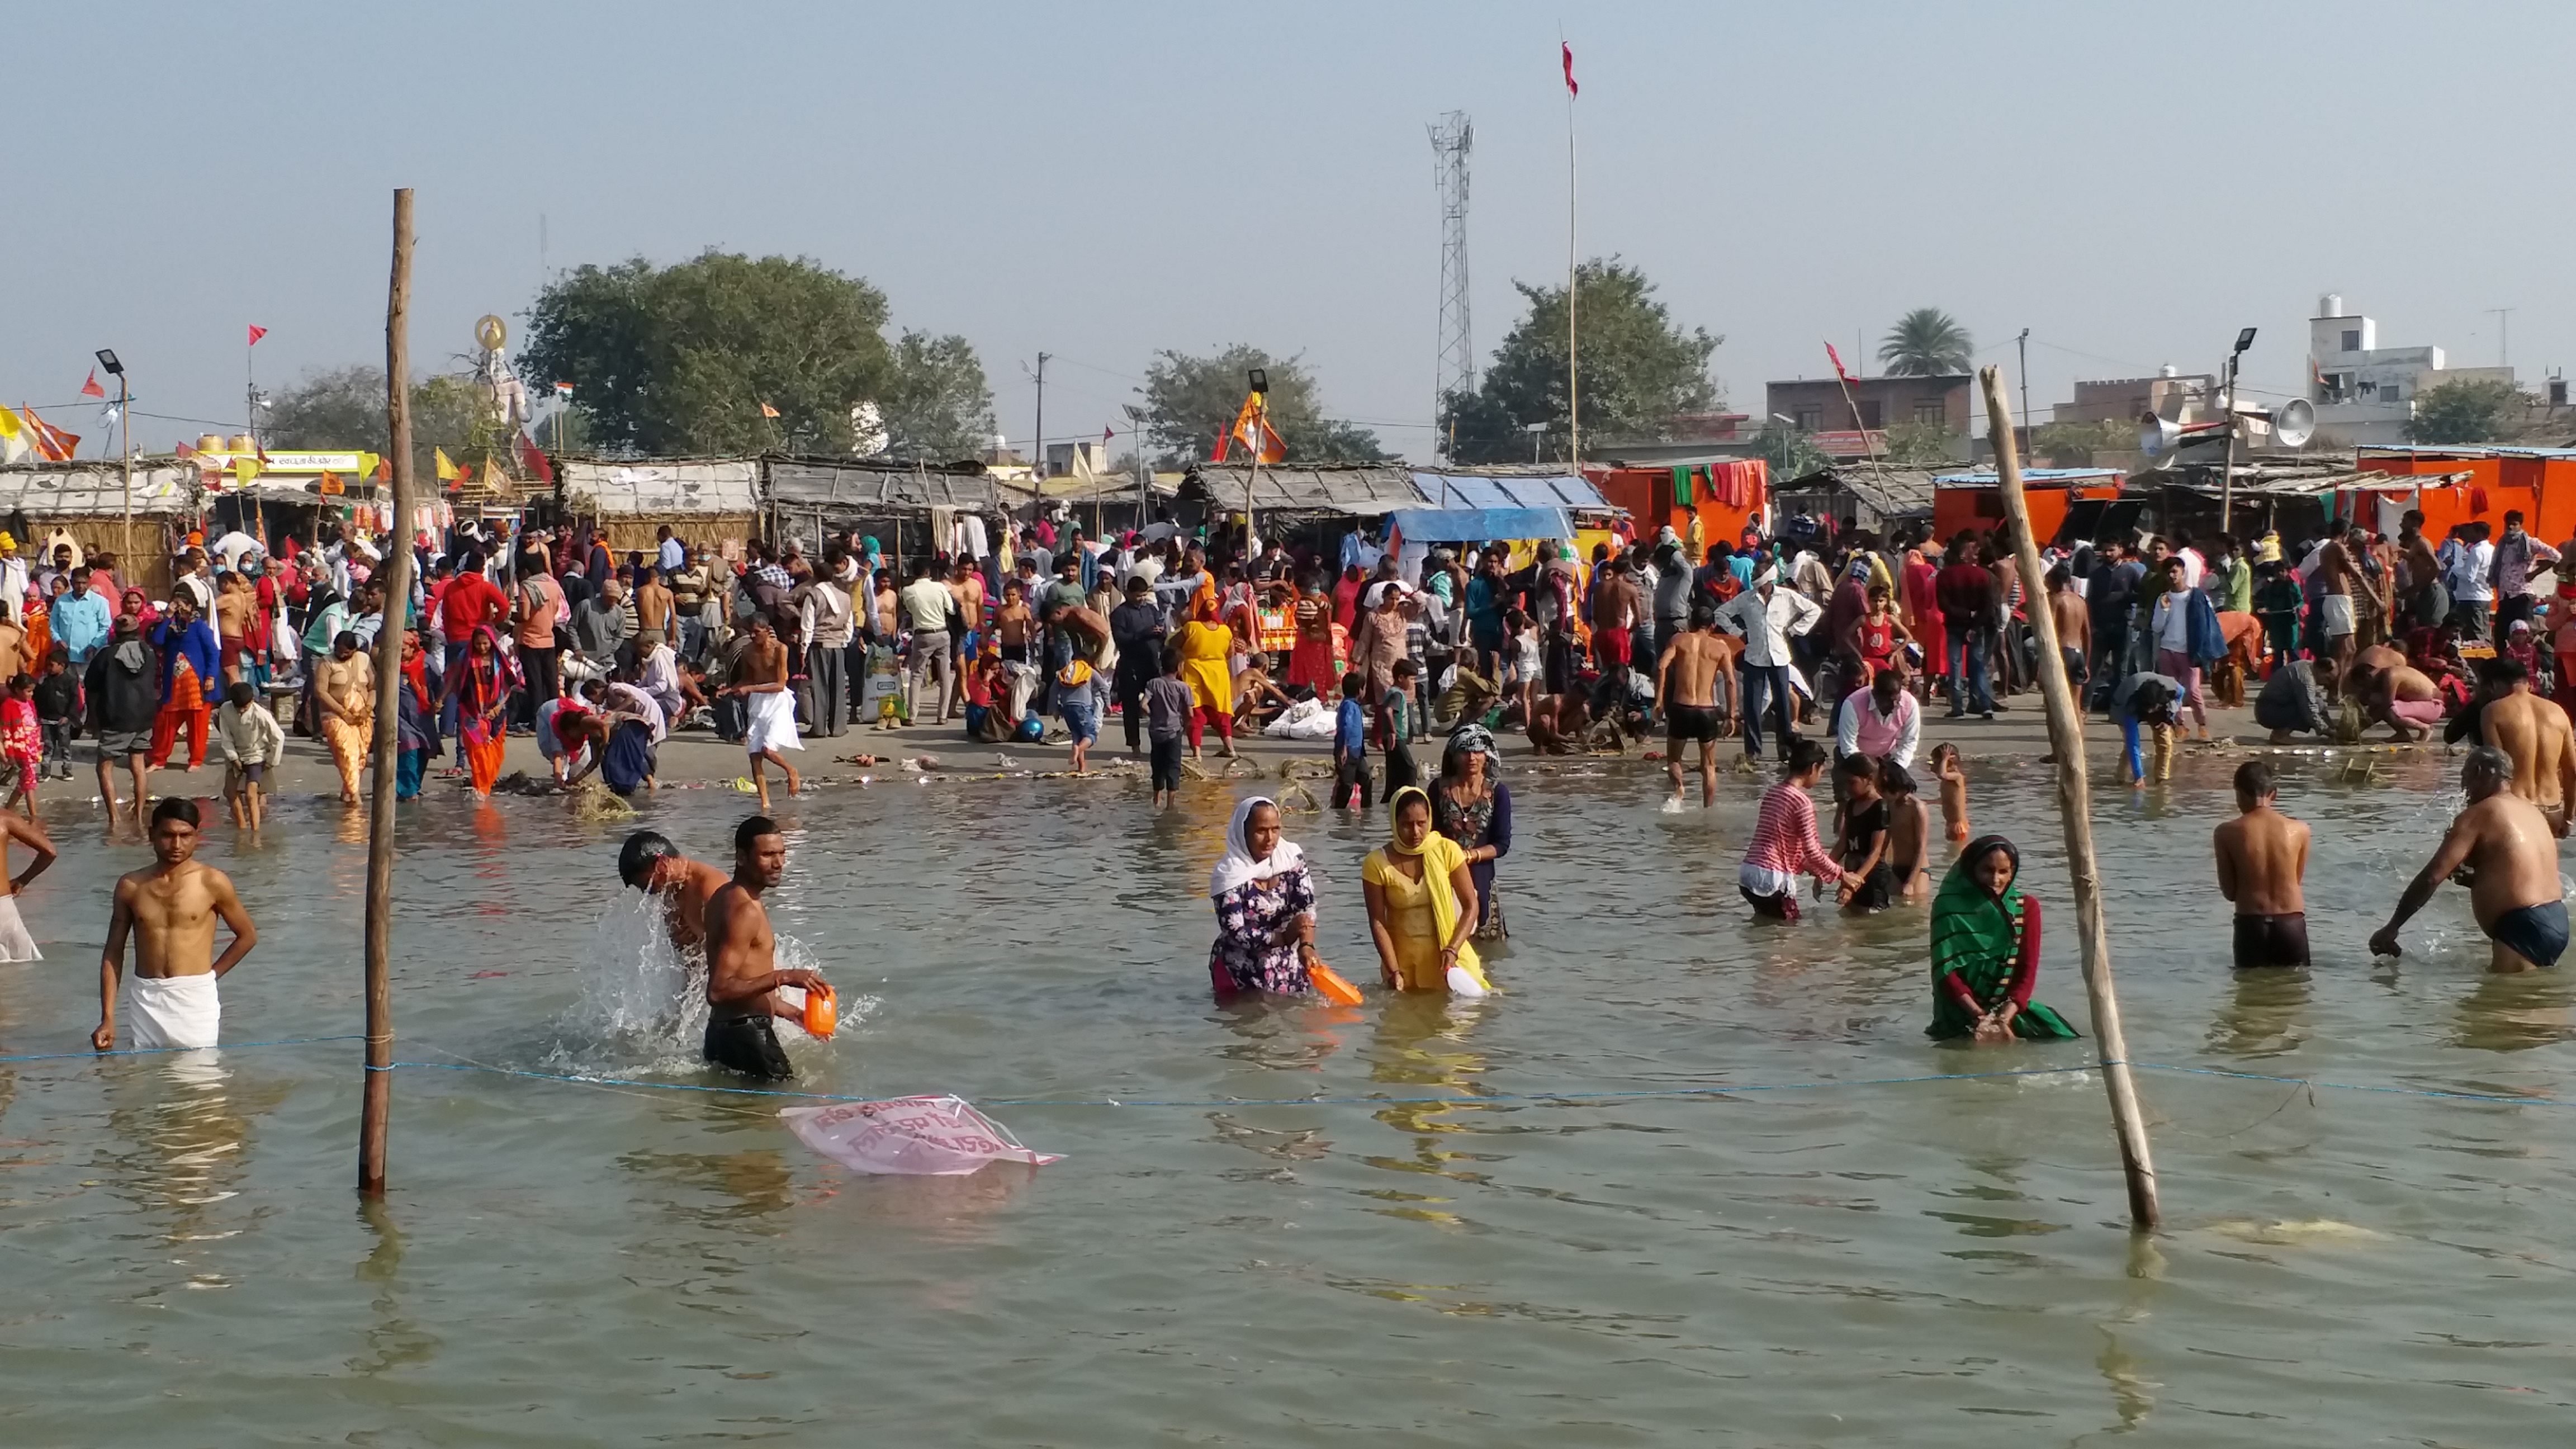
(760, 677)
(170, 909)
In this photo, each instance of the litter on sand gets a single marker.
(935, 1136)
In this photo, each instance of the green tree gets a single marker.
(937, 405)
(1190, 400)
(2075, 445)
(1927, 342)
(1922, 444)
(343, 408)
(2466, 410)
(1638, 370)
(1791, 452)
(683, 359)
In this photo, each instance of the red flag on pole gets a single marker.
(91, 387)
(1837, 357)
(534, 460)
(1571, 88)
(256, 333)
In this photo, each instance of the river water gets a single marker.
(1930, 1263)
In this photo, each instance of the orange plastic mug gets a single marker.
(822, 1013)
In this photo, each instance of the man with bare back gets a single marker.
(1686, 689)
(2533, 733)
(2339, 566)
(768, 706)
(2403, 698)
(2366, 664)
(650, 863)
(2262, 863)
(742, 959)
(2515, 891)
(170, 909)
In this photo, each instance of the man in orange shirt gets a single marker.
(470, 603)
(535, 610)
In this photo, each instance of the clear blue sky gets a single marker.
(1103, 180)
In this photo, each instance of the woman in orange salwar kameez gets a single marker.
(480, 684)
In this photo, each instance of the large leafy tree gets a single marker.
(937, 405)
(1638, 370)
(343, 408)
(1927, 342)
(2466, 410)
(1190, 400)
(683, 359)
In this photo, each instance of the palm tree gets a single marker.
(1927, 342)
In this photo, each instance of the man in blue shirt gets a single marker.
(1350, 745)
(79, 620)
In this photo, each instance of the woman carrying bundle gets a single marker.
(1985, 951)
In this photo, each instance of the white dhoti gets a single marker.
(772, 722)
(166, 1012)
(15, 943)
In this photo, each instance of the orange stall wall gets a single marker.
(1647, 494)
(2486, 496)
(1954, 509)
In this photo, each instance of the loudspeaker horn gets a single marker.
(2161, 437)
(2294, 422)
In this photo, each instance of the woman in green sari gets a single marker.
(1985, 951)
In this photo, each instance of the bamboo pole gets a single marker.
(377, 1104)
(2074, 803)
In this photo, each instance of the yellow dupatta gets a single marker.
(1440, 857)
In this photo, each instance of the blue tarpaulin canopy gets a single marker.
(1476, 525)
(1508, 490)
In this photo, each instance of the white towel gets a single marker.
(15, 943)
(772, 723)
(173, 1011)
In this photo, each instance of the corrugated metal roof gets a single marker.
(811, 483)
(1509, 490)
(1362, 490)
(1886, 491)
(1985, 477)
(704, 487)
(89, 490)
(2465, 450)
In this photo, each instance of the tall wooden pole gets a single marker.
(378, 1101)
(2074, 803)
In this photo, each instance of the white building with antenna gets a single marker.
(2365, 393)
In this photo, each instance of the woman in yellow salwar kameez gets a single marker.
(344, 691)
(1421, 902)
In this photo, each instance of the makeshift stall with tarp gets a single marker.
(91, 504)
(1305, 506)
(705, 502)
(910, 511)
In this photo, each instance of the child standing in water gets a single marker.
(1862, 837)
(1985, 952)
(20, 740)
(1909, 834)
(1946, 767)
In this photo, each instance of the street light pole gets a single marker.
(2227, 481)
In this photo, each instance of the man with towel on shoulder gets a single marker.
(170, 909)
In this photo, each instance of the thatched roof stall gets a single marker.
(1310, 490)
(89, 502)
(703, 500)
(910, 511)
(1862, 495)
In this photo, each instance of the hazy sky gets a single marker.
(1101, 180)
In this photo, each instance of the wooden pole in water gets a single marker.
(2074, 803)
(377, 1106)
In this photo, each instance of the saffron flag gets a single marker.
(384, 470)
(91, 387)
(532, 459)
(1571, 88)
(767, 411)
(1252, 429)
(52, 443)
(1837, 357)
(446, 469)
(256, 333)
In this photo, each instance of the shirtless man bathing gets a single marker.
(2262, 861)
(650, 863)
(2515, 893)
(170, 909)
(2533, 733)
(1686, 687)
(742, 959)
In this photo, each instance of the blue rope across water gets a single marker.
(1451, 1099)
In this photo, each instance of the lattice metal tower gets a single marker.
(1450, 141)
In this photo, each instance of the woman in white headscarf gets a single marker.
(1265, 907)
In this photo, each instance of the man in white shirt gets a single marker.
(1766, 615)
(2471, 583)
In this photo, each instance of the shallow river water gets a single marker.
(1931, 1263)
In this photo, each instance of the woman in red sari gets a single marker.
(481, 684)
(1922, 616)
(1312, 662)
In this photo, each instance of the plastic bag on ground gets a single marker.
(934, 1136)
